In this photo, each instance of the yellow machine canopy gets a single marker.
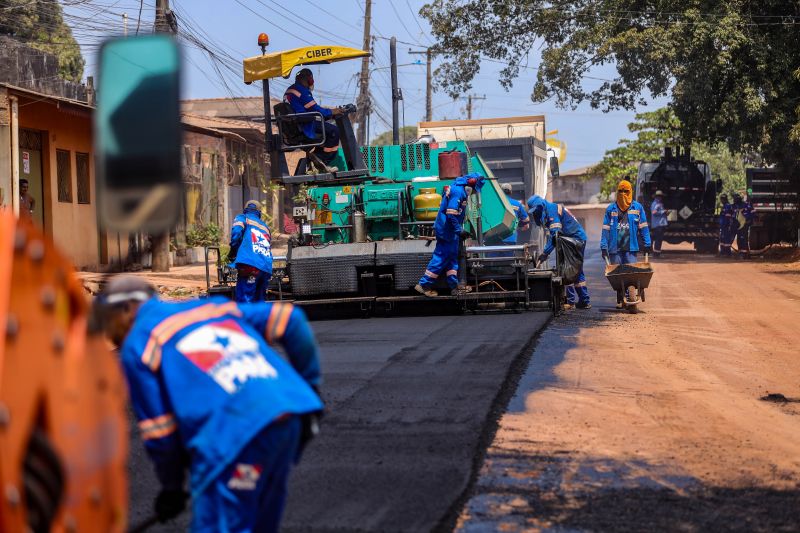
(281, 63)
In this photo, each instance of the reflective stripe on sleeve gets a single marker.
(452, 272)
(277, 322)
(311, 104)
(158, 427)
(330, 148)
(293, 92)
(238, 223)
(606, 226)
(431, 274)
(556, 225)
(452, 211)
(643, 225)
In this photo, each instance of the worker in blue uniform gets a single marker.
(658, 221)
(448, 228)
(213, 399)
(556, 219)
(727, 227)
(251, 252)
(743, 217)
(299, 97)
(523, 219)
(624, 222)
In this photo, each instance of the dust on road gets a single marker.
(655, 421)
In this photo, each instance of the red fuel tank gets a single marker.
(452, 164)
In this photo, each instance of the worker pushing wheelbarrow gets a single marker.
(630, 280)
(625, 234)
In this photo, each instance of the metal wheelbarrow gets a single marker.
(630, 282)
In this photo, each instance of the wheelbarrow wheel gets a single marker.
(631, 300)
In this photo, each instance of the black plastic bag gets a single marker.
(570, 258)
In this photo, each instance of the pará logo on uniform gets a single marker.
(260, 241)
(227, 354)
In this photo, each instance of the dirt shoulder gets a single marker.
(654, 421)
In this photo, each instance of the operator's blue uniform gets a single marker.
(523, 220)
(620, 237)
(251, 246)
(743, 232)
(727, 229)
(212, 396)
(302, 101)
(558, 220)
(447, 227)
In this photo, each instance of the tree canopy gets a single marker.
(729, 67)
(40, 24)
(407, 134)
(655, 130)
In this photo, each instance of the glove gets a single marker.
(648, 249)
(542, 258)
(465, 235)
(170, 503)
(604, 253)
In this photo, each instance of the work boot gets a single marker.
(619, 305)
(584, 305)
(569, 306)
(430, 293)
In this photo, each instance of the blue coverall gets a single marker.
(558, 220)
(302, 101)
(627, 229)
(523, 223)
(727, 229)
(213, 397)
(659, 222)
(447, 228)
(252, 249)
(743, 232)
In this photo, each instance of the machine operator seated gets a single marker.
(299, 97)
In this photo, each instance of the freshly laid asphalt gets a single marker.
(412, 402)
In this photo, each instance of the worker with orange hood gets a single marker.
(624, 223)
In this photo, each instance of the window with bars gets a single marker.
(64, 176)
(82, 173)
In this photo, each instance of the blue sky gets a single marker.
(230, 29)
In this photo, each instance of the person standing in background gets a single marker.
(658, 222)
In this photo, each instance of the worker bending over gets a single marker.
(299, 97)
(523, 220)
(727, 227)
(215, 400)
(556, 219)
(448, 228)
(624, 222)
(251, 252)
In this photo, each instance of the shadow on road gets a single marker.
(570, 493)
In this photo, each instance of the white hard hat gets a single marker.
(506, 188)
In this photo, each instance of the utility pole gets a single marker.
(395, 92)
(363, 95)
(469, 100)
(160, 242)
(428, 83)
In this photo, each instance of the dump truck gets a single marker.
(690, 195)
(776, 201)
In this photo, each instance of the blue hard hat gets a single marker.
(252, 204)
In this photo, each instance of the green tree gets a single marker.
(729, 67)
(409, 133)
(655, 130)
(40, 24)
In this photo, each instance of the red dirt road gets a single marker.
(654, 421)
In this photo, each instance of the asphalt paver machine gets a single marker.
(366, 221)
